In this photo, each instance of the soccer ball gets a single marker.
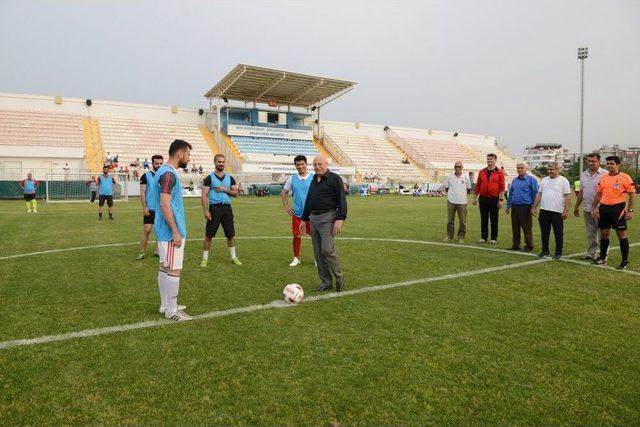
(292, 293)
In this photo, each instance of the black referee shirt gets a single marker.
(326, 195)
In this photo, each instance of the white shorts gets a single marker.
(170, 256)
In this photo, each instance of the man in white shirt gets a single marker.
(457, 185)
(554, 198)
(589, 180)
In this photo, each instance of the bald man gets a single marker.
(326, 208)
(457, 185)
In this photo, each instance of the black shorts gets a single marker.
(149, 219)
(29, 197)
(102, 198)
(220, 214)
(612, 216)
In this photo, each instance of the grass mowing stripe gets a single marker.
(373, 239)
(274, 304)
(376, 239)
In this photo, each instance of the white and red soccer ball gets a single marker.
(293, 293)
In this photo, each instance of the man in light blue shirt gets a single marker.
(217, 190)
(171, 229)
(149, 199)
(522, 194)
(299, 185)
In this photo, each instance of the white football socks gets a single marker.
(172, 287)
(232, 251)
(205, 254)
(161, 280)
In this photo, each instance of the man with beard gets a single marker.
(148, 198)
(171, 230)
(217, 190)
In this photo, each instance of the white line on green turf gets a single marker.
(378, 239)
(275, 304)
(606, 267)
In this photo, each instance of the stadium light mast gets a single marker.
(583, 53)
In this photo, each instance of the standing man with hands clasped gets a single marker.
(523, 192)
(457, 185)
(588, 187)
(554, 198)
(611, 210)
(217, 190)
(489, 192)
(326, 207)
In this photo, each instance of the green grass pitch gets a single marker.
(553, 342)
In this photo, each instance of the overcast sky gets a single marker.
(500, 67)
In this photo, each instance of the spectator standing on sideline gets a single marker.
(554, 198)
(489, 193)
(93, 187)
(457, 185)
(587, 189)
(522, 194)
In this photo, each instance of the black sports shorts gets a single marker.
(102, 198)
(612, 216)
(220, 214)
(149, 219)
(29, 197)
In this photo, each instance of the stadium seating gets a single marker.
(40, 128)
(440, 152)
(133, 138)
(483, 147)
(370, 151)
(287, 147)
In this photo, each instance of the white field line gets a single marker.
(275, 304)
(605, 267)
(228, 312)
(376, 239)
(421, 242)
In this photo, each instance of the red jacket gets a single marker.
(490, 185)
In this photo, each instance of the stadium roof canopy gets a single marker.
(264, 85)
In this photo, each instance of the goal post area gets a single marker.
(76, 187)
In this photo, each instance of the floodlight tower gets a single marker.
(583, 53)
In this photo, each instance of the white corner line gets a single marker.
(248, 309)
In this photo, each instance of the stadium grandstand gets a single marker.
(259, 118)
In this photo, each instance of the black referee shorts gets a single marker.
(612, 216)
(220, 214)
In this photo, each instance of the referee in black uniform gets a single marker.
(326, 207)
